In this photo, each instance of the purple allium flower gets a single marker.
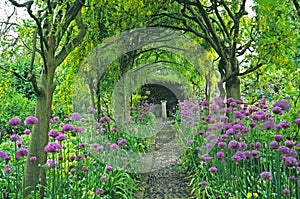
(53, 147)
(91, 111)
(236, 158)
(84, 169)
(78, 157)
(3, 154)
(233, 145)
(72, 170)
(258, 145)
(51, 164)
(224, 137)
(203, 183)
(220, 155)
(224, 118)
(53, 133)
(252, 124)
(32, 159)
(286, 192)
(278, 138)
(67, 127)
(255, 153)
(189, 142)
(121, 142)
(290, 161)
(205, 103)
(75, 117)
(104, 119)
(278, 127)
(274, 145)
(14, 121)
(266, 176)
(268, 125)
(207, 158)
(108, 168)
(230, 132)
(21, 153)
(61, 137)
(26, 131)
(293, 178)
(81, 145)
(233, 104)
(284, 124)
(103, 178)
(7, 169)
(227, 126)
(283, 150)
(289, 143)
(238, 114)
(78, 129)
(72, 158)
(113, 147)
(283, 104)
(259, 115)
(243, 145)
(221, 145)
(247, 155)
(213, 169)
(55, 118)
(297, 121)
(99, 191)
(14, 137)
(31, 120)
(277, 110)
(7, 158)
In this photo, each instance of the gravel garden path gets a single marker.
(164, 180)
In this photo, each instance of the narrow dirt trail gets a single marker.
(165, 180)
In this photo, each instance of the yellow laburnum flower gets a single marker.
(250, 195)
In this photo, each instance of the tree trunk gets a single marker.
(233, 89)
(34, 173)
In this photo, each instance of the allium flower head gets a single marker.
(274, 145)
(67, 127)
(75, 117)
(99, 191)
(108, 168)
(220, 155)
(283, 150)
(14, 121)
(277, 110)
(233, 145)
(290, 161)
(297, 121)
(91, 111)
(7, 169)
(203, 183)
(14, 137)
(32, 159)
(53, 147)
(103, 178)
(286, 192)
(213, 169)
(61, 137)
(266, 176)
(284, 124)
(31, 120)
(278, 138)
(268, 125)
(283, 104)
(289, 143)
(22, 152)
(51, 164)
(84, 169)
(53, 133)
(26, 131)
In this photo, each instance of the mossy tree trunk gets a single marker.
(54, 39)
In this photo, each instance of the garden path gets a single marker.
(164, 179)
